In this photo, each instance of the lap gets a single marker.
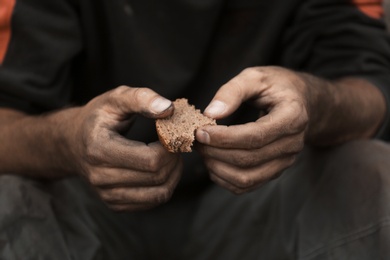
(347, 215)
(59, 220)
(332, 203)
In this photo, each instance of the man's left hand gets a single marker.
(243, 157)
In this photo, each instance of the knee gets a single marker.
(351, 198)
(360, 166)
(354, 184)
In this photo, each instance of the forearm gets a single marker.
(343, 110)
(35, 146)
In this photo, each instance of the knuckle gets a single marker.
(289, 161)
(157, 159)
(299, 118)
(302, 121)
(297, 147)
(247, 70)
(251, 71)
(160, 178)
(258, 74)
(114, 195)
(214, 178)
(92, 140)
(120, 90)
(140, 94)
(244, 181)
(117, 92)
(164, 195)
(105, 196)
(154, 164)
(94, 179)
(233, 189)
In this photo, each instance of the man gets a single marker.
(297, 87)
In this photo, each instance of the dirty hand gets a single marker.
(127, 174)
(241, 158)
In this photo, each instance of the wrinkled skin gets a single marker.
(299, 109)
(241, 158)
(127, 175)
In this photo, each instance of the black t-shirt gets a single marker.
(66, 52)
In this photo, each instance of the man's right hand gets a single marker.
(127, 175)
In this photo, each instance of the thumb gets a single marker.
(232, 94)
(143, 101)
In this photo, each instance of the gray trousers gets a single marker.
(333, 204)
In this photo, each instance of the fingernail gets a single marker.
(202, 137)
(160, 104)
(215, 108)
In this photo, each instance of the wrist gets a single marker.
(321, 100)
(64, 126)
(342, 110)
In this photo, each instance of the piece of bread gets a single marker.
(177, 133)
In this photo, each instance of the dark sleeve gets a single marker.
(36, 68)
(336, 38)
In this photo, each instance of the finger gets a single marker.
(118, 177)
(231, 95)
(249, 178)
(247, 158)
(119, 152)
(116, 151)
(143, 195)
(124, 100)
(285, 119)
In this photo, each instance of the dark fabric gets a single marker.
(333, 39)
(333, 204)
(67, 52)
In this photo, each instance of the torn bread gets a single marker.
(177, 133)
